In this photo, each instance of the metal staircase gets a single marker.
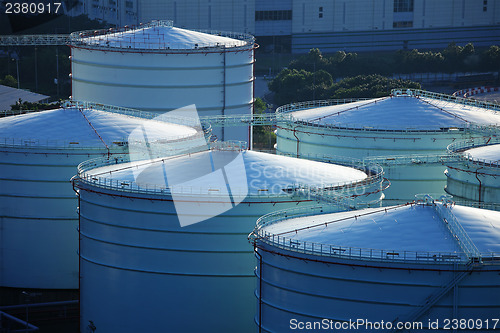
(466, 244)
(434, 298)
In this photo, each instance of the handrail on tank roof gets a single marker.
(332, 250)
(101, 162)
(297, 106)
(98, 39)
(186, 121)
(411, 159)
(347, 191)
(457, 231)
(394, 92)
(445, 98)
(457, 151)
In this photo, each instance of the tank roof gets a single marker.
(264, 174)
(83, 128)
(399, 113)
(161, 35)
(414, 228)
(489, 154)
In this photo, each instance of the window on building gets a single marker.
(129, 4)
(320, 15)
(403, 6)
(320, 12)
(273, 15)
(403, 24)
(485, 5)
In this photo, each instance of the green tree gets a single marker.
(310, 62)
(491, 58)
(9, 81)
(263, 136)
(368, 86)
(34, 106)
(292, 85)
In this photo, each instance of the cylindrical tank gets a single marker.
(378, 268)
(39, 153)
(164, 244)
(407, 133)
(475, 174)
(158, 67)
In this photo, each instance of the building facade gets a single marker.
(331, 25)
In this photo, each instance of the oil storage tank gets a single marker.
(414, 267)
(407, 133)
(39, 153)
(158, 67)
(164, 243)
(475, 173)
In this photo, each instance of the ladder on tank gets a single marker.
(434, 298)
(468, 247)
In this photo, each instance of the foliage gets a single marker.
(263, 136)
(491, 58)
(454, 58)
(368, 86)
(311, 76)
(416, 61)
(35, 106)
(295, 85)
(259, 106)
(9, 81)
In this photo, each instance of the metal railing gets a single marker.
(27, 40)
(126, 39)
(96, 144)
(159, 145)
(103, 39)
(241, 120)
(164, 117)
(347, 252)
(316, 104)
(457, 151)
(412, 159)
(347, 191)
(395, 92)
(446, 98)
(457, 231)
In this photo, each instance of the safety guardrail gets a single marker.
(329, 192)
(285, 242)
(457, 150)
(316, 104)
(457, 231)
(126, 39)
(446, 98)
(27, 40)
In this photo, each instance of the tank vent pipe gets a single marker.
(480, 184)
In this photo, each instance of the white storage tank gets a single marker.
(39, 153)
(377, 268)
(158, 67)
(407, 133)
(164, 244)
(475, 174)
